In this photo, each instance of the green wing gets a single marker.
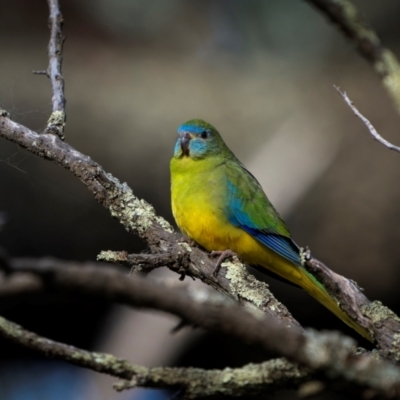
(249, 208)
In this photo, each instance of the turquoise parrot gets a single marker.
(220, 205)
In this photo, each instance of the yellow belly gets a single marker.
(213, 231)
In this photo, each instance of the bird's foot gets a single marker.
(222, 256)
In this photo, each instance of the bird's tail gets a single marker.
(311, 285)
(299, 276)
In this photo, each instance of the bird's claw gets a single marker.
(222, 256)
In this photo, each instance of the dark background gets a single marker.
(262, 73)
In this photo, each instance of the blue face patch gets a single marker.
(177, 148)
(197, 148)
(194, 129)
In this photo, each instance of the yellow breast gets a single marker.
(199, 203)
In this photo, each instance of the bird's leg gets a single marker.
(223, 255)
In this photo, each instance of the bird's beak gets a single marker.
(185, 140)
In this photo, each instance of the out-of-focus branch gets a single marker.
(56, 122)
(366, 122)
(96, 361)
(329, 353)
(193, 382)
(354, 26)
(252, 379)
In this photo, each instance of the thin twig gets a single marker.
(40, 72)
(56, 122)
(354, 26)
(366, 122)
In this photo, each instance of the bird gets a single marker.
(219, 204)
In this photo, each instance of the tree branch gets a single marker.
(329, 353)
(381, 322)
(56, 122)
(354, 26)
(366, 122)
(252, 379)
(194, 382)
(146, 263)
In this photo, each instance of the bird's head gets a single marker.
(198, 139)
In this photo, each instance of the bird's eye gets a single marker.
(204, 135)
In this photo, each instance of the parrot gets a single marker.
(219, 204)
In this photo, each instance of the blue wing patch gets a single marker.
(280, 244)
(285, 247)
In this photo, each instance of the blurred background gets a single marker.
(262, 73)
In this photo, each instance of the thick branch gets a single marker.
(249, 380)
(328, 353)
(382, 323)
(354, 26)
